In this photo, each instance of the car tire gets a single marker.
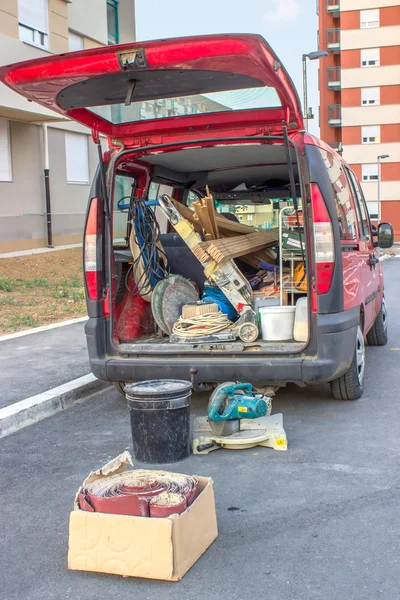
(119, 386)
(378, 334)
(350, 386)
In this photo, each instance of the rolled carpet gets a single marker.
(140, 493)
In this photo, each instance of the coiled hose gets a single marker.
(201, 325)
(140, 493)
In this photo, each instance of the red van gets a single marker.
(219, 111)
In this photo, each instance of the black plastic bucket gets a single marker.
(160, 419)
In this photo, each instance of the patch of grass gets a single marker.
(77, 295)
(7, 284)
(76, 282)
(60, 292)
(30, 302)
(7, 301)
(36, 282)
(17, 321)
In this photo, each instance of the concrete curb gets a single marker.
(34, 409)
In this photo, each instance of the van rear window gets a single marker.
(249, 98)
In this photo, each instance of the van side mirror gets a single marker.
(385, 235)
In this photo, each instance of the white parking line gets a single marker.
(18, 334)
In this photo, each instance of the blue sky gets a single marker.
(290, 27)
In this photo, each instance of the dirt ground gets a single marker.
(40, 289)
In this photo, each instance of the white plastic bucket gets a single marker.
(277, 322)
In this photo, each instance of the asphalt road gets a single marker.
(321, 521)
(36, 363)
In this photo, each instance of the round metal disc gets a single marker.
(178, 292)
(248, 332)
(222, 428)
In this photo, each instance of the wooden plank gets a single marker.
(209, 202)
(232, 247)
(222, 222)
(204, 218)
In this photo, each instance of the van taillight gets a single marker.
(93, 251)
(323, 241)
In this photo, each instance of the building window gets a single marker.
(370, 57)
(369, 18)
(33, 22)
(112, 22)
(370, 96)
(370, 172)
(75, 41)
(373, 210)
(77, 158)
(5, 151)
(371, 135)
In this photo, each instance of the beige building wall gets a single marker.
(58, 26)
(9, 18)
(22, 200)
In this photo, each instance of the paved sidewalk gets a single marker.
(41, 361)
(37, 251)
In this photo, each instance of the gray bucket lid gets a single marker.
(156, 387)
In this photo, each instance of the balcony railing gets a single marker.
(335, 115)
(333, 39)
(333, 6)
(338, 146)
(333, 77)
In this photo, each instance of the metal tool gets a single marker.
(225, 275)
(231, 402)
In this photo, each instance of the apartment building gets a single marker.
(360, 95)
(32, 138)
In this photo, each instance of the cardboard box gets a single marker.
(139, 546)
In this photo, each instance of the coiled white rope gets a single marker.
(201, 325)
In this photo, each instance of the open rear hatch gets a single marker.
(157, 96)
(218, 82)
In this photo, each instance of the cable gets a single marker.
(150, 263)
(201, 325)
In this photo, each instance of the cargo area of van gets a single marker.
(161, 283)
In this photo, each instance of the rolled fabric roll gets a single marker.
(131, 493)
(166, 504)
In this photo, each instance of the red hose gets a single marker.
(140, 493)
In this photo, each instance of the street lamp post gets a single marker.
(380, 157)
(311, 56)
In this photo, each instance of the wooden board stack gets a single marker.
(227, 239)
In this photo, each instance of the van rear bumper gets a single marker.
(328, 356)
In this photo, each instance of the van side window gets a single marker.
(122, 194)
(364, 223)
(155, 191)
(346, 213)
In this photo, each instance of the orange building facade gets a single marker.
(359, 85)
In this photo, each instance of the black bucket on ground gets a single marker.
(160, 419)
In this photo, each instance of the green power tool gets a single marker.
(230, 403)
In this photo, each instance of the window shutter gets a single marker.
(370, 95)
(370, 172)
(370, 57)
(77, 159)
(5, 154)
(369, 18)
(34, 14)
(75, 41)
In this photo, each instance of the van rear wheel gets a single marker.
(378, 334)
(350, 386)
